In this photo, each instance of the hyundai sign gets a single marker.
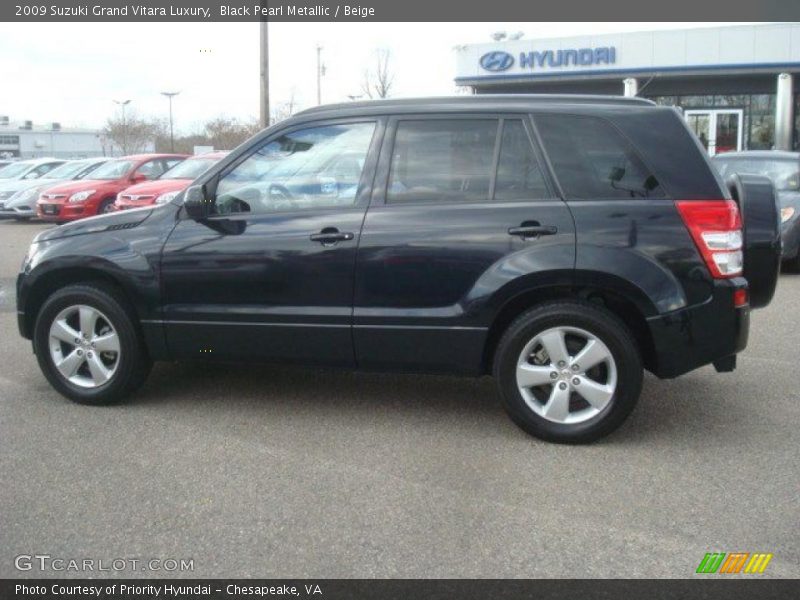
(498, 61)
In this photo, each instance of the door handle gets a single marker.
(330, 236)
(528, 231)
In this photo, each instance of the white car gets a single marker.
(18, 197)
(28, 169)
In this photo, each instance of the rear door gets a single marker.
(462, 208)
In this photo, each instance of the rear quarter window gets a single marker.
(592, 160)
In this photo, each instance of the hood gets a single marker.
(80, 185)
(157, 187)
(788, 198)
(109, 222)
(15, 185)
(39, 185)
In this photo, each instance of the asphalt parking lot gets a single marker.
(296, 472)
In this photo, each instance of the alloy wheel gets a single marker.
(84, 346)
(566, 375)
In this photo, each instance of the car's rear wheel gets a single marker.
(568, 372)
(87, 345)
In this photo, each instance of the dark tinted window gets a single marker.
(592, 160)
(518, 174)
(442, 160)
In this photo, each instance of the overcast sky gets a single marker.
(70, 73)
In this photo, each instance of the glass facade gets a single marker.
(758, 109)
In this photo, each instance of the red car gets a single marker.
(88, 197)
(169, 184)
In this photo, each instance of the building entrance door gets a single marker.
(719, 130)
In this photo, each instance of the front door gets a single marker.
(461, 208)
(719, 130)
(269, 276)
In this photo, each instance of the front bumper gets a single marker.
(699, 335)
(17, 212)
(59, 212)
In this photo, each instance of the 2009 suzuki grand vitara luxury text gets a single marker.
(562, 244)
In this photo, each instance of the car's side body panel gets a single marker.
(420, 286)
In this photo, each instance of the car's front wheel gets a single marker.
(568, 372)
(87, 345)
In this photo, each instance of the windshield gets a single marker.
(68, 170)
(189, 169)
(112, 170)
(784, 173)
(14, 170)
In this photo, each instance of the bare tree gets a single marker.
(225, 133)
(131, 134)
(285, 109)
(378, 79)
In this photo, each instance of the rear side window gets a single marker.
(592, 160)
(448, 160)
(519, 176)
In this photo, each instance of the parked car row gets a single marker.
(60, 191)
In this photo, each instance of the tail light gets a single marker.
(716, 228)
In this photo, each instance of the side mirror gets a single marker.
(138, 178)
(197, 202)
(616, 174)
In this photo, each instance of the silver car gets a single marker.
(20, 203)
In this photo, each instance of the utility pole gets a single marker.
(319, 74)
(264, 100)
(169, 96)
(123, 104)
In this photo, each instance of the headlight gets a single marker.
(168, 197)
(81, 196)
(25, 195)
(787, 212)
(6, 195)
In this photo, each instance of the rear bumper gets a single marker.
(699, 335)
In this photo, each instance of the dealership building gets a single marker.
(28, 140)
(735, 84)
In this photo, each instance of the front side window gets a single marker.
(448, 160)
(317, 167)
(151, 169)
(593, 161)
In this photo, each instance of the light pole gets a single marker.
(123, 104)
(170, 96)
(264, 54)
(320, 73)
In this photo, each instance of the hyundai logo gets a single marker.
(497, 61)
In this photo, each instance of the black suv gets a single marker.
(562, 244)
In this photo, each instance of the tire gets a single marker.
(106, 206)
(566, 416)
(98, 311)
